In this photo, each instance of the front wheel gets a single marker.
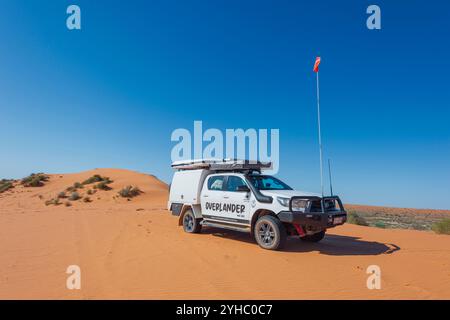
(190, 223)
(316, 237)
(270, 233)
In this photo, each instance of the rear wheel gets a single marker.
(270, 233)
(316, 237)
(190, 223)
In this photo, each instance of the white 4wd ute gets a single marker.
(235, 195)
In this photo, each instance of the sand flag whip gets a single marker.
(316, 70)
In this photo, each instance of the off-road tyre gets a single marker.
(270, 233)
(190, 223)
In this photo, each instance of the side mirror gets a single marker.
(243, 189)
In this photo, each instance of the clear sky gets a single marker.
(111, 94)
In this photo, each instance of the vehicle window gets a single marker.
(234, 182)
(216, 183)
(268, 183)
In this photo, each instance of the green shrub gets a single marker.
(380, 224)
(34, 180)
(74, 196)
(442, 227)
(96, 178)
(78, 185)
(90, 192)
(354, 218)
(75, 187)
(5, 185)
(129, 192)
(103, 185)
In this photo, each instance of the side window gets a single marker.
(234, 182)
(216, 183)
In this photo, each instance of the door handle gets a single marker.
(205, 196)
(226, 197)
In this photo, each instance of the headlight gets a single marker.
(283, 201)
(299, 204)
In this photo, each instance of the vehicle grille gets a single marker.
(329, 205)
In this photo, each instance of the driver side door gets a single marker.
(238, 202)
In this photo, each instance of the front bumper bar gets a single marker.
(322, 219)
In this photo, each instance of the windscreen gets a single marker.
(268, 183)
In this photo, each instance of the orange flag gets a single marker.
(316, 64)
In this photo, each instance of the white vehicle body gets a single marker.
(235, 197)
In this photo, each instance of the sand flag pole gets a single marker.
(316, 70)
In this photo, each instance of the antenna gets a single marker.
(329, 173)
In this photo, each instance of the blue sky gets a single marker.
(111, 94)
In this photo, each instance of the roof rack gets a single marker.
(222, 165)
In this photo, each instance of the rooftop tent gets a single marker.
(221, 165)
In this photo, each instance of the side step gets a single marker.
(217, 224)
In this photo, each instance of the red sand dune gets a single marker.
(135, 250)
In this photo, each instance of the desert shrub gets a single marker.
(354, 218)
(67, 204)
(5, 185)
(87, 199)
(75, 187)
(34, 180)
(418, 226)
(103, 185)
(90, 192)
(74, 196)
(96, 178)
(129, 192)
(61, 195)
(442, 227)
(78, 185)
(380, 224)
(54, 201)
